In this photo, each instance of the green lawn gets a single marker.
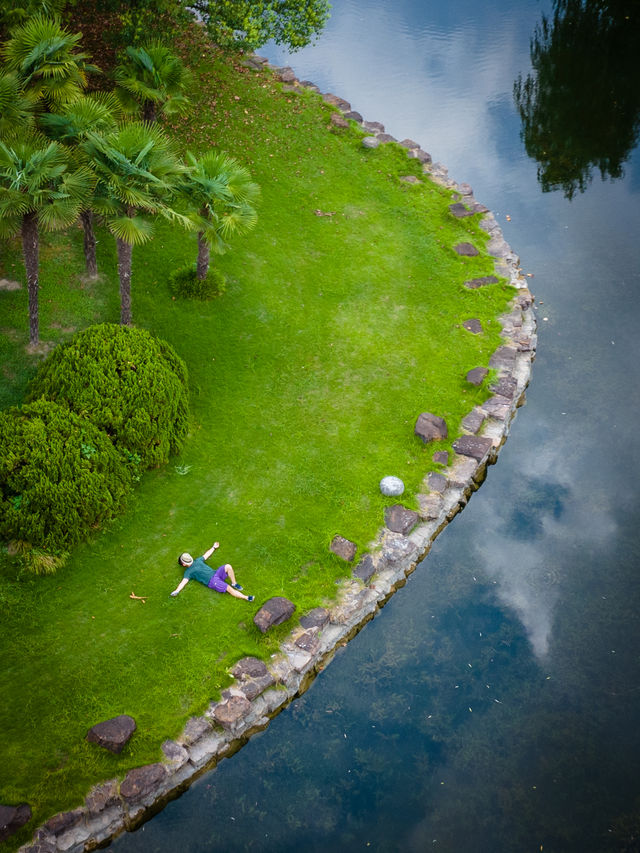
(306, 378)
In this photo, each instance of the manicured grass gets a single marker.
(306, 378)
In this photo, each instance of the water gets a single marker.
(493, 704)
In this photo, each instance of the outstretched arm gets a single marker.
(180, 586)
(208, 553)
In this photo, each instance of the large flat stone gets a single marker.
(12, 818)
(249, 667)
(430, 427)
(400, 519)
(337, 101)
(483, 281)
(228, 713)
(477, 375)
(102, 797)
(474, 326)
(467, 250)
(113, 734)
(459, 210)
(275, 611)
(316, 618)
(476, 446)
(142, 781)
(343, 548)
(503, 358)
(365, 569)
(473, 421)
(437, 482)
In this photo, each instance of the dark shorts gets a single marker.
(219, 580)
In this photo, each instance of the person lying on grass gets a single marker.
(200, 571)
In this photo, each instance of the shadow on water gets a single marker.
(493, 705)
(580, 108)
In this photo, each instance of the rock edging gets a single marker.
(260, 691)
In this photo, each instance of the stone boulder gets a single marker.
(459, 210)
(316, 618)
(338, 121)
(253, 676)
(102, 797)
(354, 115)
(474, 326)
(61, 823)
(275, 611)
(475, 283)
(365, 569)
(392, 487)
(308, 642)
(336, 101)
(467, 250)
(473, 421)
(142, 781)
(430, 427)
(437, 482)
(477, 375)
(12, 818)
(343, 548)
(370, 141)
(113, 734)
(230, 712)
(399, 519)
(476, 446)
(441, 456)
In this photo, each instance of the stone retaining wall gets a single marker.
(260, 691)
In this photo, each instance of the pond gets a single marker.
(493, 704)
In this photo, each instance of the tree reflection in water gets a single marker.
(580, 108)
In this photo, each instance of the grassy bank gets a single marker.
(306, 378)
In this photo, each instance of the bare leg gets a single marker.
(230, 574)
(236, 593)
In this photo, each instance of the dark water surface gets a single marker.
(493, 705)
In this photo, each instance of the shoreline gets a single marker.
(261, 691)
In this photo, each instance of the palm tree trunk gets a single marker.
(202, 265)
(30, 246)
(149, 111)
(124, 273)
(90, 260)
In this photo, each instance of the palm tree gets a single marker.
(222, 196)
(44, 57)
(16, 110)
(97, 112)
(38, 190)
(138, 174)
(152, 79)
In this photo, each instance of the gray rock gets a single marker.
(316, 618)
(354, 116)
(102, 797)
(430, 427)
(484, 280)
(437, 482)
(340, 103)
(338, 121)
(308, 642)
(410, 179)
(61, 823)
(228, 713)
(473, 421)
(255, 686)
(503, 358)
(12, 818)
(343, 548)
(375, 126)
(524, 298)
(142, 781)
(391, 486)
(309, 85)
(176, 755)
(365, 569)
(398, 551)
(467, 250)
(419, 154)
(506, 386)
(476, 207)
(459, 210)
(285, 75)
(370, 141)
(430, 506)
(386, 137)
(477, 375)
(113, 734)
(410, 144)
(249, 667)
(196, 728)
(275, 611)
(476, 446)
(400, 519)
(41, 846)
(465, 189)
(474, 326)
(441, 456)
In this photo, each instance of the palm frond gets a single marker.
(133, 230)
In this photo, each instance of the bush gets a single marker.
(127, 383)
(59, 477)
(184, 284)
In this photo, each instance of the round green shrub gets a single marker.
(60, 476)
(126, 382)
(184, 284)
